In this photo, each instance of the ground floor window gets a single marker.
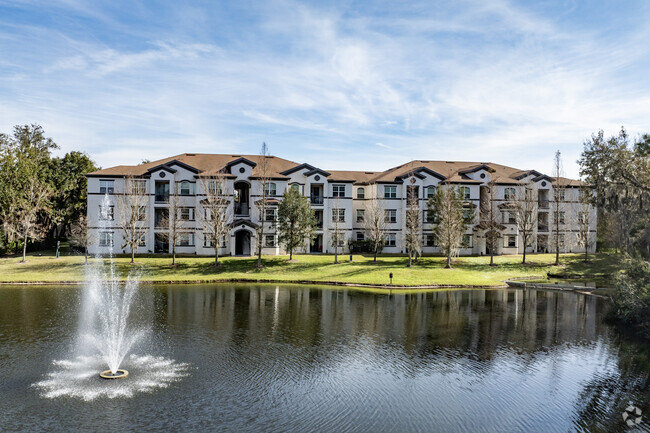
(429, 240)
(338, 239)
(467, 241)
(142, 239)
(269, 241)
(510, 241)
(391, 240)
(185, 240)
(361, 236)
(106, 239)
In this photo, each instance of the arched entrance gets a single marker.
(243, 243)
(242, 194)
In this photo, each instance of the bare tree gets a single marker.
(132, 214)
(79, 235)
(215, 213)
(583, 220)
(446, 207)
(489, 222)
(175, 221)
(335, 230)
(413, 226)
(559, 190)
(374, 225)
(524, 206)
(23, 218)
(263, 177)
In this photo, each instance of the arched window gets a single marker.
(185, 188)
(509, 194)
(296, 187)
(430, 191)
(361, 193)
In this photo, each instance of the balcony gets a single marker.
(317, 200)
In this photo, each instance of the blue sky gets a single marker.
(341, 84)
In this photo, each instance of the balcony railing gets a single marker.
(542, 204)
(162, 198)
(542, 228)
(317, 199)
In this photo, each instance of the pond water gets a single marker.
(286, 358)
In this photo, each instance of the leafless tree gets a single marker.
(447, 208)
(215, 212)
(413, 226)
(263, 177)
(22, 220)
(524, 206)
(175, 222)
(489, 222)
(559, 190)
(374, 225)
(335, 230)
(132, 214)
(80, 236)
(583, 220)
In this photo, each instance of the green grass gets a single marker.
(429, 271)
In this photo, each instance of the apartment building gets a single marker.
(339, 199)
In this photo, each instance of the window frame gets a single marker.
(271, 189)
(106, 216)
(339, 213)
(390, 240)
(390, 216)
(361, 217)
(390, 191)
(107, 189)
(361, 193)
(191, 238)
(109, 235)
(338, 190)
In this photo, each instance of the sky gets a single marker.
(342, 85)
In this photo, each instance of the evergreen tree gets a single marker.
(296, 221)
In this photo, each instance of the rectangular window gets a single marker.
(391, 240)
(107, 186)
(509, 218)
(269, 214)
(186, 214)
(582, 217)
(107, 213)
(361, 215)
(338, 215)
(141, 212)
(142, 239)
(269, 241)
(429, 217)
(390, 215)
(429, 240)
(361, 236)
(215, 188)
(390, 191)
(185, 240)
(467, 241)
(207, 242)
(468, 214)
(561, 194)
(509, 194)
(139, 187)
(106, 239)
(270, 190)
(561, 217)
(510, 241)
(464, 192)
(338, 190)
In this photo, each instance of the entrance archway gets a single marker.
(243, 243)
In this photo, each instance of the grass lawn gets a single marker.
(429, 271)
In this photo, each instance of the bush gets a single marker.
(632, 298)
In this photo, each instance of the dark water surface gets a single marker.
(277, 359)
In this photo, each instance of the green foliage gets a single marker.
(446, 208)
(296, 221)
(632, 298)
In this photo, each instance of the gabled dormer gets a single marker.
(241, 167)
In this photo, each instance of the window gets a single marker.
(429, 217)
(141, 212)
(464, 192)
(107, 213)
(429, 240)
(509, 194)
(338, 190)
(361, 215)
(106, 239)
(107, 186)
(390, 215)
(142, 239)
(510, 241)
(270, 190)
(509, 218)
(467, 241)
(390, 191)
(207, 242)
(269, 214)
(139, 187)
(430, 191)
(186, 214)
(269, 241)
(561, 217)
(185, 240)
(215, 188)
(296, 187)
(185, 188)
(361, 193)
(468, 214)
(582, 217)
(338, 215)
(560, 240)
(361, 236)
(561, 193)
(391, 240)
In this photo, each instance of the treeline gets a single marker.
(619, 171)
(41, 196)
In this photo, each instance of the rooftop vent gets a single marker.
(370, 172)
(236, 156)
(190, 154)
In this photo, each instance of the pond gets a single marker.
(287, 358)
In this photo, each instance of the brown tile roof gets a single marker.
(452, 171)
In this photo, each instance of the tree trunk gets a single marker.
(216, 257)
(491, 257)
(291, 254)
(132, 255)
(408, 265)
(448, 265)
(524, 260)
(375, 259)
(336, 255)
(86, 255)
(24, 249)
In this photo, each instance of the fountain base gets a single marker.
(119, 374)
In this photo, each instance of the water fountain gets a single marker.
(112, 321)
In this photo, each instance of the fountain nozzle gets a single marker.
(119, 374)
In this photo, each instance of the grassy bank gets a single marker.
(429, 271)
